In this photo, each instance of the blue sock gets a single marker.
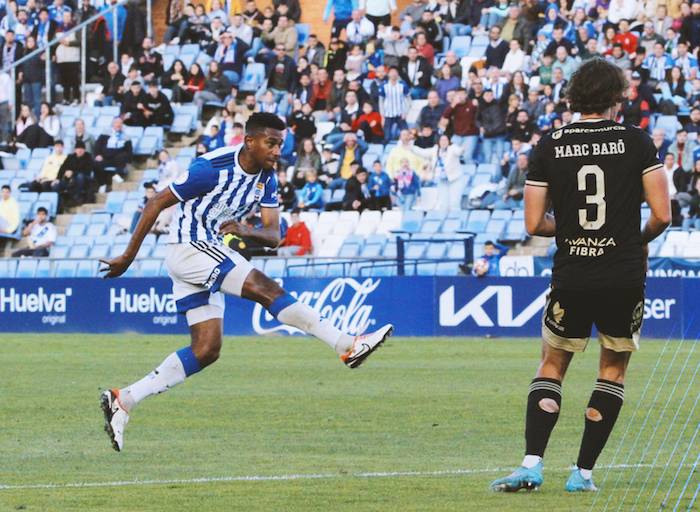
(280, 303)
(188, 360)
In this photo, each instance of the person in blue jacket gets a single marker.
(379, 188)
(311, 196)
(342, 14)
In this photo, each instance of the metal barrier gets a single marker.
(82, 27)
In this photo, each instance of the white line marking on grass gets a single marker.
(285, 478)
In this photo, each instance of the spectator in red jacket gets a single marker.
(297, 242)
(370, 122)
(635, 110)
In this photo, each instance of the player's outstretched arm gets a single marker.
(117, 266)
(269, 235)
(656, 195)
(537, 221)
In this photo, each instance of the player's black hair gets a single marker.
(260, 121)
(596, 86)
(41, 209)
(296, 210)
(5, 187)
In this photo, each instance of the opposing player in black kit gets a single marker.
(594, 175)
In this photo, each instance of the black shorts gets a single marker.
(617, 314)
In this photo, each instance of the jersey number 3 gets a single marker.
(595, 196)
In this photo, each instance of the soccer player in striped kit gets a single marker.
(219, 189)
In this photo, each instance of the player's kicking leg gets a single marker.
(204, 310)
(543, 403)
(601, 414)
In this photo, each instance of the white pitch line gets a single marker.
(278, 478)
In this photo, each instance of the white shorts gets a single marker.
(201, 271)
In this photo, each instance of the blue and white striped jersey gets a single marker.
(216, 189)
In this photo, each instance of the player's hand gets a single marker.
(116, 266)
(233, 227)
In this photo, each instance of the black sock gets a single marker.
(603, 409)
(541, 416)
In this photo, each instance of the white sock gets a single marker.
(303, 317)
(586, 473)
(170, 373)
(530, 461)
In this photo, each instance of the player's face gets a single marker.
(266, 147)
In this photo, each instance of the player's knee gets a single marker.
(548, 405)
(593, 414)
(207, 354)
(260, 288)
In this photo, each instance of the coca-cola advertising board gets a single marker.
(417, 306)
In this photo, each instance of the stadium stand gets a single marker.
(337, 94)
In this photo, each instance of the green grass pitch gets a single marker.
(424, 425)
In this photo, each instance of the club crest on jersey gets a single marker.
(557, 134)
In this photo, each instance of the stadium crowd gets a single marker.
(377, 116)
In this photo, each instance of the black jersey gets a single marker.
(593, 169)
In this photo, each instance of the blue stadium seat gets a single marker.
(150, 268)
(181, 123)
(151, 175)
(35, 165)
(426, 269)
(79, 251)
(349, 250)
(115, 201)
(43, 269)
(431, 226)
(86, 268)
(495, 227)
(515, 232)
(96, 230)
(476, 52)
(8, 268)
(10, 163)
(76, 229)
(447, 268)
(296, 267)
(147, 145)
(189, 49)
(65, 268)
(303, 31)
(371, 251)
(100, 217)
(105, 123)
(100, 251)
(518, 215)
(436, 215)
(189, 151)
(40, 152)
(26, 268)
(436, 251)
(253, 77)
(412, 221)
(460, 45)
(480, 179)
(501, 215)
(455, 251)
(84, 240)
(275, 267)
(149, 241)
(478, 219)
(116, 250)
(382, 270)
(451, 226)
(480, 40)
(156, 131)
(669, 124)
(59, 251)
(159, 251)
(415, 250)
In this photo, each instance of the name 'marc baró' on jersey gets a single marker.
(593, 170)
(216, 189)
